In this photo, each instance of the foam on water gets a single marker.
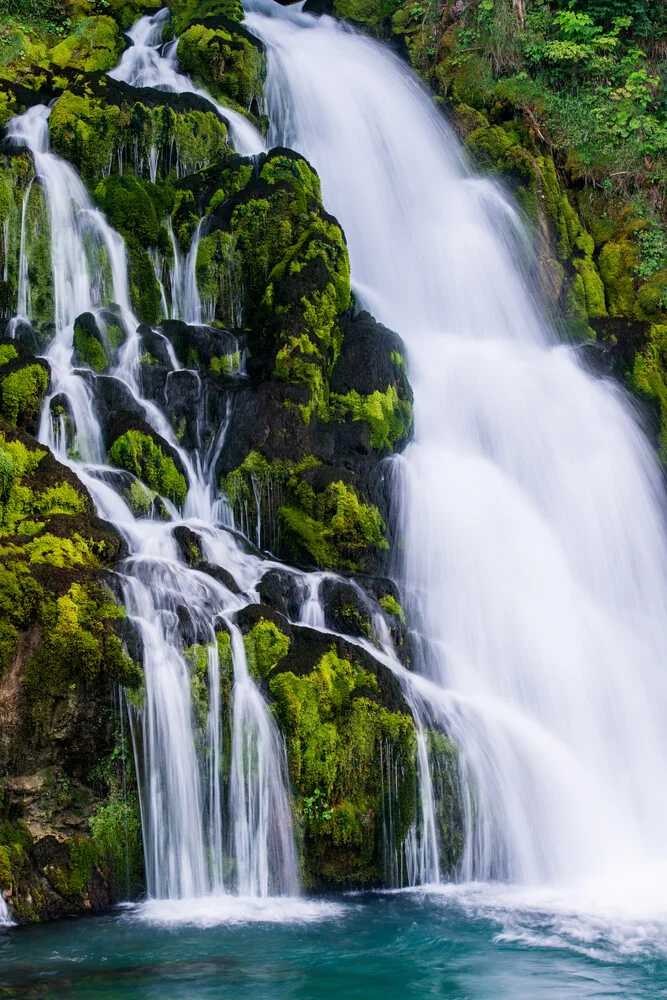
(212, 910)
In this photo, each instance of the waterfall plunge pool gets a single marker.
(457, 943)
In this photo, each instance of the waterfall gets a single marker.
(24, 288)
(185, 298)
(193, 828)
(77, 229)
(148, 63)
(535, 549)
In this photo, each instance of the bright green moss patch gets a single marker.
(338, 741)
(22, 394)
(332, 527)
(265, 645)
(226, 62)
(226, 364)
(139, 454)
(618, 265)
(389, 416)
(197, 659)
(89, 348)
(94, 45)
(95, 135)
(79, 643)
(7, 353)
(392, 607)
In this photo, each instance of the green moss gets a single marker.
(593, 289)
(7, 353)
(265, 645)
(617, 264)
(647, 377)
(139, 454)
(96, 136)
(226, 62)
(94, 45)
(140, 498)
(389, 416)
(392, 607)
(224, 643)
(652, 296)
(84, 854)
(89, 349)
(129, 207)
(85, 131)
(332, 527)
(197, 658)
(338, 737)
(19, 503)
(116, 830)
(22, 394)
(226, 364)
(79, 643)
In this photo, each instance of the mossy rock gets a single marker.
(22, 389)
(139, 453)
(95, 44)
(342, 727)
(224, 60)
(96, 134)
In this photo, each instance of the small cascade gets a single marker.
(23, 306)
(78, 230)
(149, 63)
(190, 309)
(259, 806)
(185, 299)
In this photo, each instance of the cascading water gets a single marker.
(78, 231)
(185, 810)
(149, 63)
(534, 535)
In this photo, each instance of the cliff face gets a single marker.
(312, 397)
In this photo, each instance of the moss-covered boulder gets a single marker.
(226, 59)
(23, 385)
(139, 453)
(94, 44)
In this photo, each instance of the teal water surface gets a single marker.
(371, 947)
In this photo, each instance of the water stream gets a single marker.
(535, 549)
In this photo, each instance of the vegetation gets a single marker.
(139, 454)
(337, 733)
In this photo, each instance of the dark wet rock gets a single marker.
(189, 544)
(365, 362)
(346, 608)
(252, 614)
(282, 591)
